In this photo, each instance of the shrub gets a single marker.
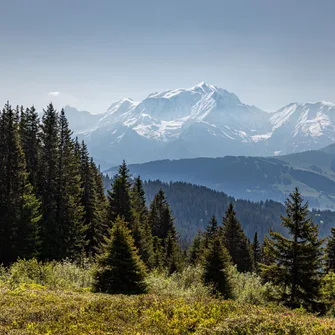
(54, 275)
(248, 287)
(187, 283)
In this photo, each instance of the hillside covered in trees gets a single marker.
(60, 230)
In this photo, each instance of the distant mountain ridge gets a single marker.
(254, 178)
(201, 121)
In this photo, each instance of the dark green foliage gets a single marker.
(19, 208)
(211, 230)
(330, 252)
(256, 252)
(138, 199)
(196, 250)
(162, 227)
(120, 268)
(160, 218)
(48, 183)
(296, 260)
(29, 135)
(93, 201)
(236, 242)
(215, 264)
(70, 220)
(119, 196)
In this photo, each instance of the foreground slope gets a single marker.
(36, 310)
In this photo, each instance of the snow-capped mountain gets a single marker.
(203, 120)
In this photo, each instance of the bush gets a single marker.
(187, 283)
(248, 287)
(54, 275)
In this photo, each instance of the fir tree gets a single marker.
(196, 250)
(120, 268)
(29, 134)
(211, 230)
(70, 212)
(48, 184)
(236, 242)
(256, 251)
(297, 259)
(119, 196)
(160, 218)
(138, 199)
(20, 216)
(330, 251)
(215, 264)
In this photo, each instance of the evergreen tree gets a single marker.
(19, 208)
(297, 259)
(160, 218)
(256, 251)
(120, 268)
(215, 264)
(172, 257)
(70, 212)
(196, 250)
(29, 134)
(93, 201)
(211, 230)
(48, 184)
(236, 242)
(138, 199)
(141, 230)
(330, 251)
(119, 196)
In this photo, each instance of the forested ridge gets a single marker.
(54, 209)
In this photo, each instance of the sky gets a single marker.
(89, 54)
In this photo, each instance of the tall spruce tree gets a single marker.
(163, 228)
(48, 184)
(29, 134)
(141, 230)
(70, 212)
(19, 208)
(236, 241)
(119, 196)
(330, 251)
(216, 261)
(256, 251)
(211, 229)
(196, 249)
(297, 259)
(120, 269)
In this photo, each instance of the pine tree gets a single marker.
(211, 230)
(138, 199)
(119, 196)
(236, 242)
(29, 134)
(70, 212)
(162, 227)
(160, 218)
(19, 208)
(120, 268)
(141, 230)
(215, 264)
(93, 200)
(48, 184)
(256, 251)
(297, 259)
(330, 251)
(196, 250)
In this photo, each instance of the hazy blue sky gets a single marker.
(268, 52)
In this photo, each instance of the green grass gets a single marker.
(33, 309)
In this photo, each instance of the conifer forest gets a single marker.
(85, 253)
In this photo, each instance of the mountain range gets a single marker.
(253, 178)
(201, 121)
